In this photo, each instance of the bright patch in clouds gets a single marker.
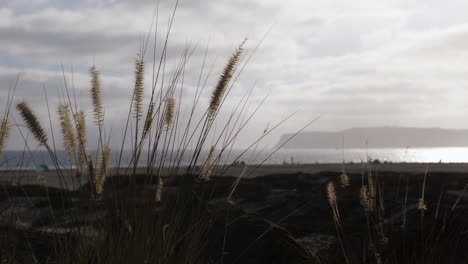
(358, 62)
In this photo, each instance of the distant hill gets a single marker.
(379, 137)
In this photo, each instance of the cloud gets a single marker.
(359, 63)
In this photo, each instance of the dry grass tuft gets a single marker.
(69, 139)
(218, 93)
(139, 79)
(96, 96)
(32, 123)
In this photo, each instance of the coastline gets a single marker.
(30, 176)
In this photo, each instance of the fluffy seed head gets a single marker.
(365, 199)
(103, 168)
(139, 78)
(96, 96)
(69, 140)
(4, 134)
(207, 169)
(331, 195)
(159, 189)
(218, 92)
(421, 205)
(80, 124)
(32, 123)
(344, 179)
(149, 120)
(169, 113)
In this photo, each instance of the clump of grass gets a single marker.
(434, 238)
(176, 234)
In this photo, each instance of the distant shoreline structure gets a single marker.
(377, 137)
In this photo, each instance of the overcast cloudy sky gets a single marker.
(357, 63)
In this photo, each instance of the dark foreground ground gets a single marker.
(29, 176)
(278, 212)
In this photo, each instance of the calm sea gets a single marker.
(20, 159)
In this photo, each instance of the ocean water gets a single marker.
(20, 159)
(419, 155)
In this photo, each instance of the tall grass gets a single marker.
(134, 214)
(143, 222)
(400, 235)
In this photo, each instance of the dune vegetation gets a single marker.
(169, 211)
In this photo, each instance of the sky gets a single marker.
(351, 63)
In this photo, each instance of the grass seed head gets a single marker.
(344, 179)
(96, 96)
(207, 169)
(218, 92)
(139, 86)
(69, 139)
(102, 170)
(149, 120)
(169, 113)
(4, 134)
(365, 199)
(331, 195)
(32, 122)
(421, 205)
(80, 123)
(159, 189)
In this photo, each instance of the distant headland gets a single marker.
(378, 137)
